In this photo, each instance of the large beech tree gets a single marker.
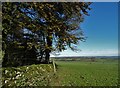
(53, 26)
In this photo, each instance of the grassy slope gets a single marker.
(102, 73)
(33, 75)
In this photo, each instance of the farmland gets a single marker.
(102, 72)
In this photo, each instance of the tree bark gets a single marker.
(5, 59)
(47, 56)
(48, 50)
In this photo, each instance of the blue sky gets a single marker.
(101, 28)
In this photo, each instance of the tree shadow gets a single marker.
(23, 62)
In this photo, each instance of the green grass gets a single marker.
(103, 72)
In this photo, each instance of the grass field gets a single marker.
(100, 73)
(69, 73)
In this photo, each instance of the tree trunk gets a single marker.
(5, 59)
(47, 56)
(48, 50)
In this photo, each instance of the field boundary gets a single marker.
(54, 67)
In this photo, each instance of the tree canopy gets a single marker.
(42, 26)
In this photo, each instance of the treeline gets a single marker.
(75, 58)
(92, 58)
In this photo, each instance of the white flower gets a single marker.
(10, 74)
(18, 72)
(27, 67)
(17, 76)
(43, 69)
(23, 75)
(37, 68)
(6, 71)
(30, 84)
(13, 78)
(6, 81)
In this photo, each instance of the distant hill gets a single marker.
(99, 57)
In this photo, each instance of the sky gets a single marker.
(101, 30)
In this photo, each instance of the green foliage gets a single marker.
(54, 24)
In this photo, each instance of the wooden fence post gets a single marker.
(54, 65)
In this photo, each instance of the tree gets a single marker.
(55, 23)
(62, 20)
(15, 42)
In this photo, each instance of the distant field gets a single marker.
(83, 73)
